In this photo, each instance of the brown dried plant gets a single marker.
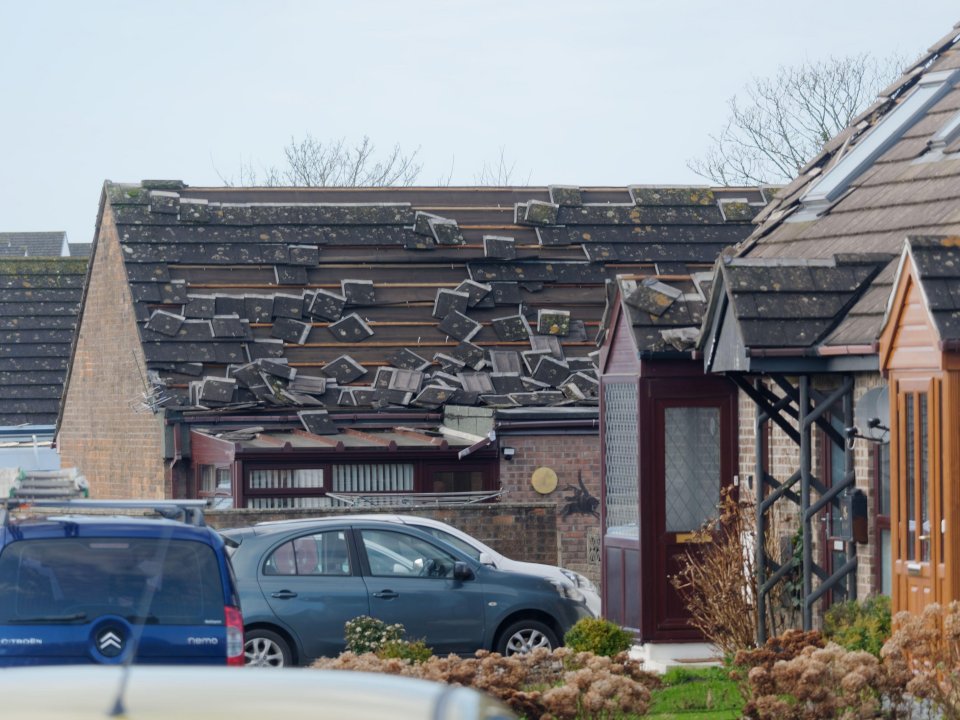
(561, 684)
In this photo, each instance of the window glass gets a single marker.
(172, 583)
(692, 466)
(397, 554)
(324, 553)
(457, 481)
(459, 544)
(620, 459)
(924, 482)
(909, 476)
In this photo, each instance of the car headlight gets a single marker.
(580, 581)
(568, 591)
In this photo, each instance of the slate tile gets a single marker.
(217, 390)
(512, 328)
(406, 359)
(472, 355)
(174, 293)
(578, 331)
(200, 306)
(502, 248)
(463, 397)
(566, 195)
(506, 361)
(264, 348)
(476, 291)
(277, 368)
(318, 422)
(344, 369)
(444, 378)
(476, 382)
(553, 322)
(498, 401)
(257, 308)
(448, 301)
(290, 330)
(531, 358)
(165, 323)
(366, 396)
(304, 255)
(351, 329)
(346, 398)
(309, 384)
(290, 274)
(396, 397)
(290, 306)
(445, 232)
(381, 380)
(650, 300)
(421, 223)
(230, 326)
(326, 305)
(506, 293)
(358, 292)
(433, 396)
(506, 383)
(229, 305)
(551, 371)
(540, 213)
(459, 326)
(586, 382)
(405, 380)
(448, 363)
(194, 210)
(164, 202)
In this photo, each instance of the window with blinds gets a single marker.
(373, 477)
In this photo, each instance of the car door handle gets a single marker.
(386, 594)
(284, 594)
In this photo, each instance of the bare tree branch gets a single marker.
(785, 120)
(498, 173)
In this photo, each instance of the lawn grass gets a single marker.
(696, 694)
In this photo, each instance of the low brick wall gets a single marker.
(522, 531)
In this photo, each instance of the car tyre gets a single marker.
(521, 637)
(263, 648)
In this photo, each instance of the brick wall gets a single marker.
(521, 531)
(578, 536)
(117, 448)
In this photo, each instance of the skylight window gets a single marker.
(929, 90)
(947, 135)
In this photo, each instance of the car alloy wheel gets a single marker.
(263, 648)
(523, 637)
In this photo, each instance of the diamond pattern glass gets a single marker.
(692, 464)
(620, 450)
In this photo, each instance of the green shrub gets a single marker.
(366, 634)
(416, 652)
(859, 626)
(601, 637)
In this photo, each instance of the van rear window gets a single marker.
(78, 579)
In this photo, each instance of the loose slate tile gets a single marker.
(421, 223)
(217, 390)
(506, 293)
(433, 396)
(165, 323)
(463, 397)
(476, 291)
(531, 358)
(498, 401)
(195, 210)
(512, 328)
(366, 396)
(344, 370)
(350, 329)
(229, 305)
(448, 301)
(381, 380)
(326, 305)
(545, 397)
(572, 391)
(448, 363)
(358, 292)
(737, 210)
(541, 213)
(346, 398)
(309, 384)
(566, 195)
(304, 255)
(148, 272)
(318, 422)
(582, 364)
(174, 293)
(290, 330)
(290, 306)
(406, 380)
(553, 322)
(445, 232)
(506, 361)
(406, 359)
(533, 287)
(396, 397)
(229, 326)
(264, 348)
(459, 326)
(671, 196)
(506, 383)
(161, 201)
(578, 331)
(476, 382)
(503, 248)
(258, 308)
(200, 306)
(588, 385)
(290, 274)
(551, 371)
(472, 355)
(280, 369)
(446, 379)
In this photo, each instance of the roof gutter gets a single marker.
(579, 424)
(260, 419)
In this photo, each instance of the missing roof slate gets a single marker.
(406, 359)
(459, 326)
(358, 292)
(512, 328)
(506, 293)
(229, 305)
(264, 348)
(476, 291)
(165, 323)
(290, 306)
(290, 330)
(344, 369)
(502, 248)
(290, 274)
(317, 422)
(352, 328)
(448, 301)
(553, 322)
(326, 305)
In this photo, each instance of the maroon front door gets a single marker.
(694, 450)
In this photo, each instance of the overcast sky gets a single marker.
(575, 92)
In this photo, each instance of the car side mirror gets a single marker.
(462, 571)
(487, 559)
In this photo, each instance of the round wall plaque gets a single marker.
(544, 480)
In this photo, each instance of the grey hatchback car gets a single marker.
(300, 582)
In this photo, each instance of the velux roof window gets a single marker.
(928, 91)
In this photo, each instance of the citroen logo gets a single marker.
(109, 643)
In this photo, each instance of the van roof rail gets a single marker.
(188, 511)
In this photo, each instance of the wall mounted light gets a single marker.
(508, 453)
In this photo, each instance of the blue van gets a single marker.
(111, 589)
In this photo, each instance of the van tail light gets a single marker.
(234, 622)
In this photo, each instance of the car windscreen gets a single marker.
(175, 582)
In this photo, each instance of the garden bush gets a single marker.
(365, 634)
(859, 626)
(598, 636)
(415, 651)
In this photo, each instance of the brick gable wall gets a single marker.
(118, 448)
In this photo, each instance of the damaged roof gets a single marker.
(894, 172)
(39, 306)
(936, 265)
(338, 298)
